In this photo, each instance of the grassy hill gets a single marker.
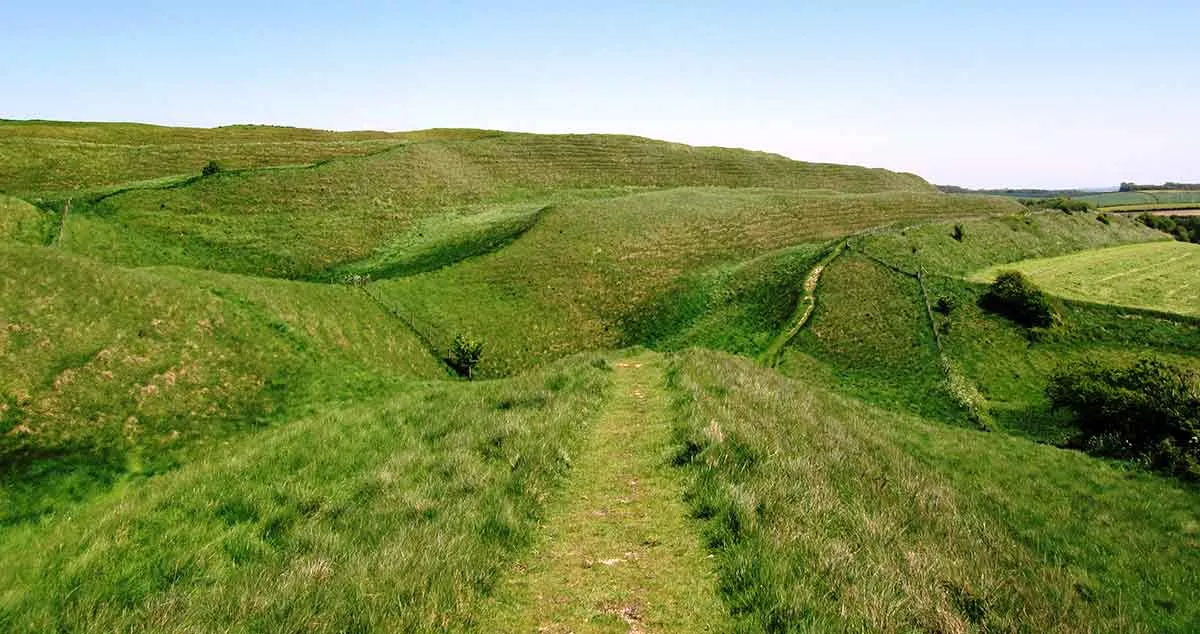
(589, 270)
(874, 332)
(126, 370)
(225, 403)
(301, 221)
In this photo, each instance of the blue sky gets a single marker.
(980, 94)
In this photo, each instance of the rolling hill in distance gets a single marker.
(719, 390)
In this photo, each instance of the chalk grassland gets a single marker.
(933, 248)
(53, 159)
(1161, 276)
(303, 222)
(125, 370)
(22, 222)
(829, 515)
(585, 276)
(872, 334)
(389, 516)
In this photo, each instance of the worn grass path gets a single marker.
(619, 553)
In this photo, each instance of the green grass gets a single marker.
(59, 159)
(870, 331)
(22, 222)
(1165, 198)
(1157, 276)
(618, 553)
(1161, 208)
(134, 368)
(993, 241)
(871, 336)
(826, 514)
(397, 516)
(1011, 369)
(589, 273)
(210, 421)
(305, 222)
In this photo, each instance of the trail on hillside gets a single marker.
(618, 554)
(804, 309)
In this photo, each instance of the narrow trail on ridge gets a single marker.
(804, 308)
(618, 552)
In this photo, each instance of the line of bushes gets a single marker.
(1061, 203)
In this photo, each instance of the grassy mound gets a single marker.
(397, 516)
(124, 369)
(826, 514)
(591, 268)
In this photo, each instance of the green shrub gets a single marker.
(1015, 297)
(1149, 411)
(945, 305)
(960, 233)
(213, 168)
(465, 354)
(1182, 228)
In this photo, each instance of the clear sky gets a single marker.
(1054, 93)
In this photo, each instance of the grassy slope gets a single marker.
(586, 272)
(1157, 276)
(870, 331)
(396, 516)
(830, 515)
(22, 222)
(300, 223)
(1000, 240)
(1011, 370)
(121, 367)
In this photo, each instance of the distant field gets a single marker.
(1160, 209)
(1117, 201)
(1159, 275)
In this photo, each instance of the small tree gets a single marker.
(212, 169)
(1017, 298)
(465, 353)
